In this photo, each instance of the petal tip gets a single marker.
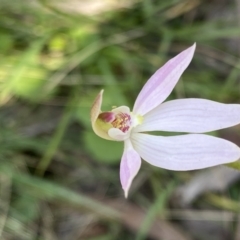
(125, 193)
(194, 46)
(192, 49)
(126, 187)
(162, 82)
(129, 166)
(96, 106)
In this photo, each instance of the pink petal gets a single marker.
(129, 167)
(162, 82)
(190, 115)
(186, 152)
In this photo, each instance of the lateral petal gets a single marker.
(162, 82)
(190, 115)
(129, 167)
(185, 152)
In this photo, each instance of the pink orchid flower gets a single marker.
(195, 116)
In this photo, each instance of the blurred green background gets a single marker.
(58, 181)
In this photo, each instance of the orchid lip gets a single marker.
(120, 120)
(107, 117)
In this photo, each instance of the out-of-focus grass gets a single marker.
(154, 210)
(52, 64)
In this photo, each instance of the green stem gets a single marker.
(57, 137)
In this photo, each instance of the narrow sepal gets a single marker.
(129, 167)
(162, 82)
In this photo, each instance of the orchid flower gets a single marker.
(195, 116)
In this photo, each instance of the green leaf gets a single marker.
(101, 149)
(25, 208)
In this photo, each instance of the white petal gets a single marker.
(117, 135)
(190, 115)
(186, 152)
(121, 109)
(130, 165)
(162, 82)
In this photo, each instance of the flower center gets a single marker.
(118, 120)
(122, 121)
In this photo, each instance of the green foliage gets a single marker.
(53, 63)
(26, 78)
(99, 148)
(155, 209)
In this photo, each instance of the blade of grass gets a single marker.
(21, 67)
(48, 191)
(154, 211)
(147, 8)
(58, 135)
(223, 202)
(203, 32)
(5, 193)
(50, 7)
(88, 51)
(181, 8)
(230, 82)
